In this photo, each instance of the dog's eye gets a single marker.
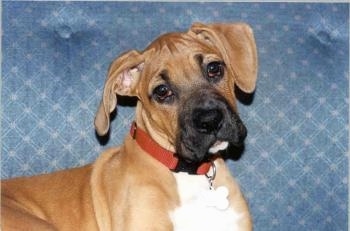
(163, 93)
(215, 70)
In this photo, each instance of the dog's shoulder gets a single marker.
(107, 157)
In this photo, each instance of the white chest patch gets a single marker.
(201, 208)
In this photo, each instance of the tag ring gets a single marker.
(212, 177)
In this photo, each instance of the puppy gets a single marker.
(169, 173)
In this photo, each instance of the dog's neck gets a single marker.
(166, 157)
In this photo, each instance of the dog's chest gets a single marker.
(200, 208)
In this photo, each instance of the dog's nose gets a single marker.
(207, 120)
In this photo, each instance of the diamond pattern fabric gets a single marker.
(294, 171)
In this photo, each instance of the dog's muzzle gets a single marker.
(207, 125)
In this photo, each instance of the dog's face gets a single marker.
(185, 86)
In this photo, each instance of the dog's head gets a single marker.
(185, 86)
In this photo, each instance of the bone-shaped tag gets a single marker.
(215, 198)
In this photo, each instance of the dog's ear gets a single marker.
(122, 79)
(237, 45)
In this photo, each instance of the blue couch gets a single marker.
(294, 171)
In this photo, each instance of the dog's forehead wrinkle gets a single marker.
(171, 50)
(174, 44)
(171, 41)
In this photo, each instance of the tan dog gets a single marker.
(186, 105)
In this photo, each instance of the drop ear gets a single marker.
(122, 79)
(236, 43)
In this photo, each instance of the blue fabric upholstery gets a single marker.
(294, 171)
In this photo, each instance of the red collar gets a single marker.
(166, 157)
